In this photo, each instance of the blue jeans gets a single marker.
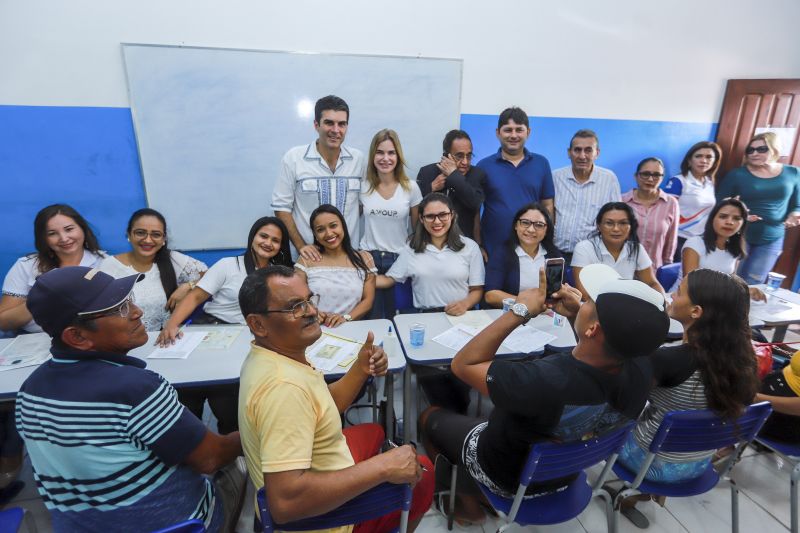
(383, 306)
(759, 261)
(632, 456)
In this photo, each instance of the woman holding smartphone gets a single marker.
(516, 266)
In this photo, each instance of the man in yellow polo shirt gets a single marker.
(289, 418)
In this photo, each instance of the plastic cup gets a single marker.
(774, 281)
(507, 303)
(417, 335)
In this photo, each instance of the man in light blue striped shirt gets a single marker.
(581, 190)
(112, 449)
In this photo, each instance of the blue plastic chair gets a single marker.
(403, 297)
(374, 503)
(188, 526)
(791, 455)
(551, 460)
(668, 274)
(12, 519)
(694, 431)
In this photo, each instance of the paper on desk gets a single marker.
(477, 320)
(774, 310)
(526, 339)
(182, 348)
(456, 337)
(331, 351)
(25, 350)
(220, 338)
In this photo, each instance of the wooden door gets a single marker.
(752, 104)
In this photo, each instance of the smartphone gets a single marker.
(554, 273)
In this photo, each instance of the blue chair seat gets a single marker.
(11, 519)
(790, 450)
(691, 487)
(549, 508)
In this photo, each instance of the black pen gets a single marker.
(395, 445)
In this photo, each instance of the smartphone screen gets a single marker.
(554, 272)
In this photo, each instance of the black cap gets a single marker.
(62, 294)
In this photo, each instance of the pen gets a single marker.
(395, 445)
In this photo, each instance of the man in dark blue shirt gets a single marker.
(514, 177)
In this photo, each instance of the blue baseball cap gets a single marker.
(61, 295)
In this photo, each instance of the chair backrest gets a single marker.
(189, 526)
(702, 430)
(11, 519)
(552, 460)
(403, 297)
(373, 503)
(667, 274)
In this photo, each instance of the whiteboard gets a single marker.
(212, 124)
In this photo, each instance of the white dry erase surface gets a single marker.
(25, 350)
(477, 319)
(331, 351)
(184, 346)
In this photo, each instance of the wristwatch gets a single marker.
(521, 310)
(347, 318)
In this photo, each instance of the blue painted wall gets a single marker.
(87, 157)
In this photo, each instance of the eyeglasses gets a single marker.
(760, 149)
(122, 310)
(537, 224)
(298, 310)
(463, 157)
(651, 175)
(143, 233)
(611, 224)
(444, 216)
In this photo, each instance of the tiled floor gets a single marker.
(763, 480)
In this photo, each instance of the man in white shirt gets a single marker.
(323, 172)
(581, 190)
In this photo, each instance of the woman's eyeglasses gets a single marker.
(651, 175)
(444, 216)
(143, 233)
(760, 149)
(537, 224)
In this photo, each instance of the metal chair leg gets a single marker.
(734, 507)
(451, 512)
(793, 497)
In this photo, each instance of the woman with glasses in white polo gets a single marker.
(771, 191)
(515, 267)
(615, 243)
(447, 274)
(657, 212)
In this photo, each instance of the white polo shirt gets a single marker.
(305, 182)
(439, 277)
(529, 268)
(387, 222)
(593, 251)
(23, 274)
(695, 199)
(223, 281)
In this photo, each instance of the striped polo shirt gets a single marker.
(106, 440)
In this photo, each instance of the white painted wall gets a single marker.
(625, 59)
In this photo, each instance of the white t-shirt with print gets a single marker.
(149, 293)
(440, 277)
(387, 223)
(593, 251)
(23, 274)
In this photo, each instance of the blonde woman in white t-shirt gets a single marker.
(721, 246)
(389, 203)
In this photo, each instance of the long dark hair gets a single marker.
(169, 280)
(46, 257)
(547, 243)
(734, 245)
(720, 340)
(353, 255)
(421, 238)
(632, 242)
(283, 257)
(714, 147)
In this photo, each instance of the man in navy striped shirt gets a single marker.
(112, 448)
